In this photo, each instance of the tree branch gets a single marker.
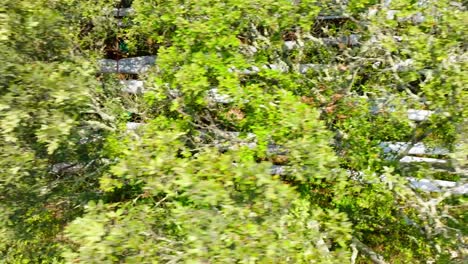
(376, 258)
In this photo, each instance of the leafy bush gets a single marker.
(287, 169)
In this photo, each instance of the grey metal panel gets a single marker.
(133, 65)
(136, 65)
(108, 66)
(122, 12)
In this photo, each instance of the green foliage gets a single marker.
(45, 91)
(208, 207)
(78, 187)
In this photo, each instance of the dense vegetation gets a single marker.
(303, 180)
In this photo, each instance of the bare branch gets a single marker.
(376, 258)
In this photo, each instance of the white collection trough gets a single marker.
(132, 86)
(419, 115)
(438, 186)
(303, 68)
(411, 159)
(351, 40)
(416, 18)
(216, 97)
(416, 149)
(425, 185)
